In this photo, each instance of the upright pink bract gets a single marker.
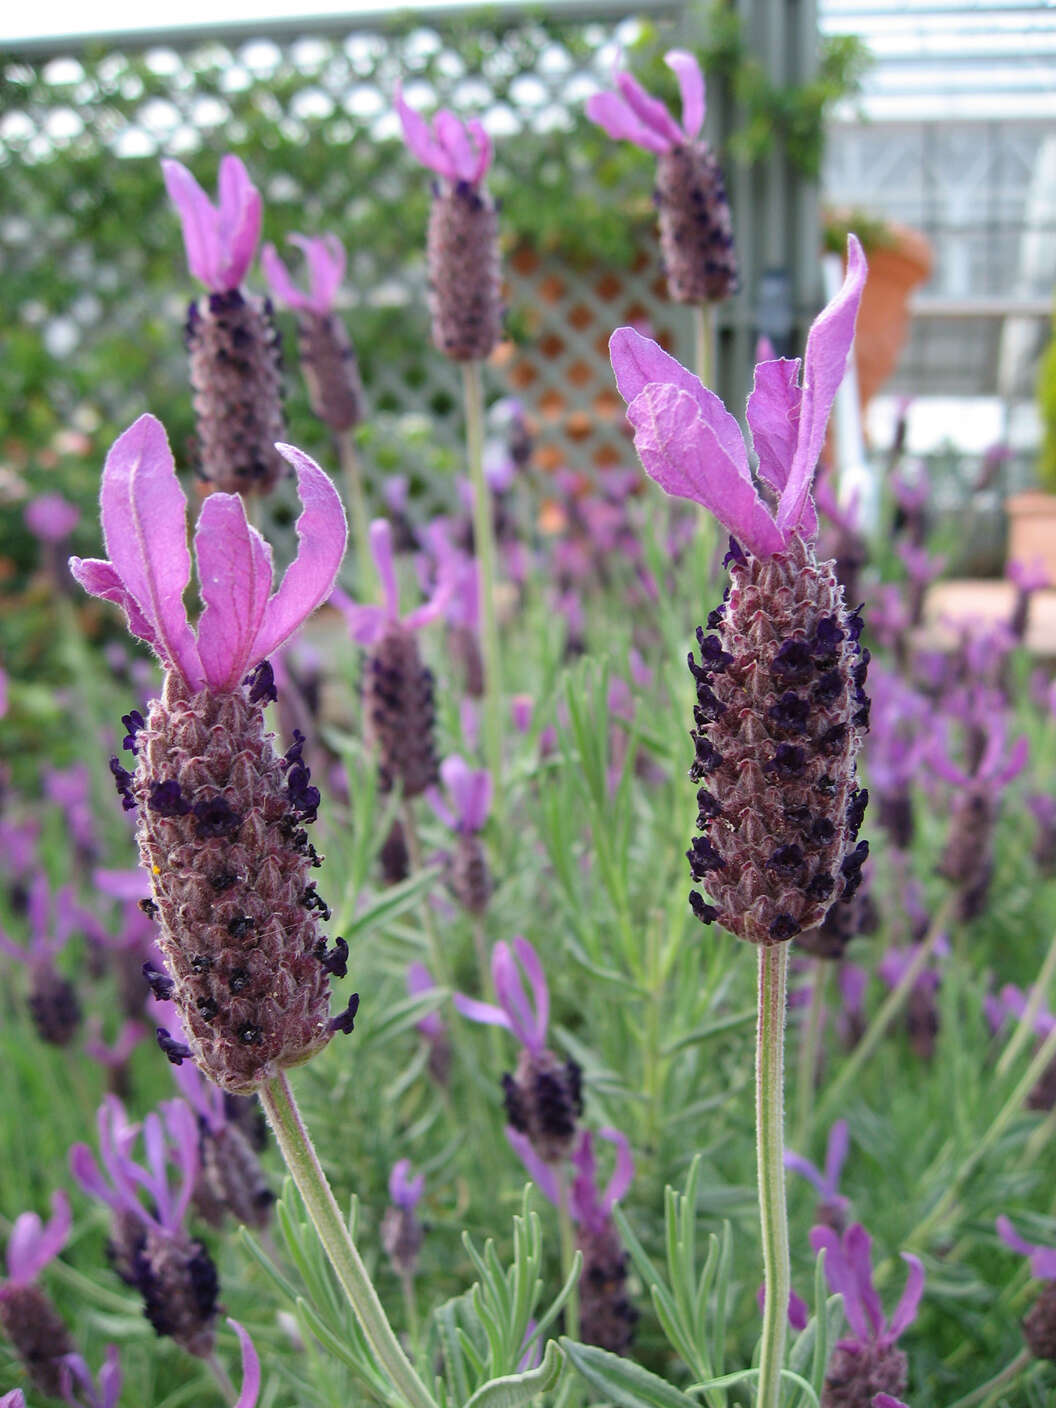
(325, 258)
(221, 239)
(149, 568)
(690, 444)
(632, 115)
(456, 150)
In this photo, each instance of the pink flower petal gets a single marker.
(238, 222)
(144, 516)
(836, 1154)
(906, 1309)
(322, 534)
(484, 1012)
(856, 1248)
(100, 579)
(250, 1367)
(452, 135)
(649, 110)
(544, 1176)
(512, 998)
(201, 235)
(614, 117)
(623, 1173)
(470, 790)
(773, 418)
(828, 347)
(234, 577)
(366, 624)
(420, 141)
(484, 150)
(691, 85)
(1011, 1237)
(404, 1190)
(32, 1244)
(685, 456)
(326, 268)
(279, 281)
(529, 961)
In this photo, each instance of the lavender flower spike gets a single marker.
(431, 1026)
(109, 1389)
(465, 295)
(832, 1205)
(250, 1367)
(27, 1316)
(328, 360)
(1039, 1324)
(868, 1362)
(781, 701)
(467, 868)
(401, 1232)
(152, 1251)
(543, 1096)
(221, 816)
(696, 233)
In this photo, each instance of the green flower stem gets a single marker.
(484, 541)
(357, 506)
(414, 853)
(1025, 1028)
(220, 1374)
(299, 1153)
(808, 1052)
(1011, 1371)
(889, 1008)
(704, 341)
(568, 1253)
(773, 1212)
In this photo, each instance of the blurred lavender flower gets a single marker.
(1028, 578)
(235, 355)
(53, 1001)
(71, 790)
(543, 1096)
(1014, 1002)
(1039, 1324)
(1042, 807)
(901, 732)
(401, 1232)
(696, 232)
(781, 702)
(221, 816)
(832, 1205)
(868, 1362)
(153, 1252)
(328, 359)
(465, 295)
(844, 542)
(108, 1391)
(850, 1019)
(431, 1026)
(398, 688)
(922, 568)
(51, 518)
(15, 1399)
(922, 1013)
(470, 789)
(27, 1316)
(462, 610)
(798, 1310)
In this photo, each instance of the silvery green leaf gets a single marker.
(517, 1389)
(621, 1381)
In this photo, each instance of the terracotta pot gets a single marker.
(1032, 529)
(895, 270)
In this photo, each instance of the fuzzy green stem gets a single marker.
(1011, 1371)
(297, 1149)
(704, 341)
(773, 1212)
(889, 1008)
(484, 541)
(808, 1052)
(357, 506)
(1025, 1028)
(568, 1254)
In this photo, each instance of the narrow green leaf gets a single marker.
(518, 1389)
(621, 1381)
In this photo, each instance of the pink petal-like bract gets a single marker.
(691, 85)
(32, 1244)
(279, 280)
(824, 364)
(651, 111)
(906, 1309)
(322, 534)
(420, 140)
(238, 221)
(614, 117)
(234, 576)
(250, 1367)
(773, 418)
(144, 516)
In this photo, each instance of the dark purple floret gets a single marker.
(707, 806)
(214, 818)
(261, 684)
(304, 797)
(335, 960)
(345, 1021)
(788, 760)
(176, 1051)
(167, 799)
(123, 782)
(790, 712)
(856, 811)
(707, 708)
(160, 984)
(786, 860)
(706, 913)
(712, 655)
(827, 637)
(828, 688)
(133, 722)
(703, 857)
(783, 927)
(735, 554)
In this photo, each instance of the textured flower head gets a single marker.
(1042, 1259)
(469, 790)
(143, 513)
(848, 1269)
(631, 115)
(690, 444)
(325, 258)
(33, 1243)
(456, 150)
(101, 1393)
(221, 239)
(527, 1019)
(405, 1191)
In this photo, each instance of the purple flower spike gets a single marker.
(455, 150)
(1042, 1259)
(250, 1367)
(832, 1203)
(220, 240)
(470, 790)
(691, 445)
(325, 257)
(405, 1192)
(108, 1391)
(33, 1243)
(149, 567)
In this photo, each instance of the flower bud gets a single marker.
(696, 231)
(465, 293)
(399, 712)
(330, 370)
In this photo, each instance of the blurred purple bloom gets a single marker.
(1042, 1259)
(994, 771)
(250, 1367)
(690, 444)
(420, 980)
(130, 1036)
(470, 791)
(921, 566)
(220, 240)
(15, 1399)
(458, 151)
(171, 1136)
(631, 115)
(52, 920)
(33, 1243)
(325, 258)
(589, 1206)
(109, 1384)
(405, 1191)
(369, 623)
(1014, 1001)
(848, 1270)
(522, 706)
(798, 1310)
(51, 518)
(827, 1183)
(145, 530)
(527, 1020)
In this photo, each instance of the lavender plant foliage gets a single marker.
(222, 816)
(781, 703)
